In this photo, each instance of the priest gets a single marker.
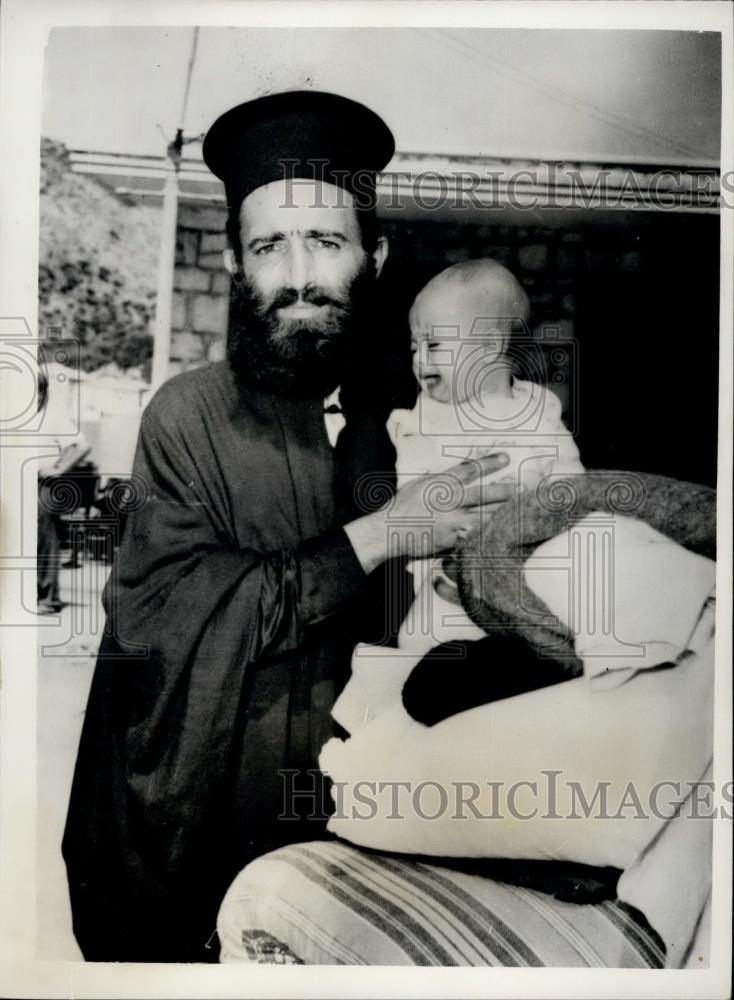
(247, 569)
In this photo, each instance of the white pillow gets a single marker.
(656, 728)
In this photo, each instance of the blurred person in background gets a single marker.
(73, 449)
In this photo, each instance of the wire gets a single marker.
(192, 58)
(502, 68)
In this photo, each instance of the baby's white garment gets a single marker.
(433, 436)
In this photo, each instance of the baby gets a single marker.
(470, 405)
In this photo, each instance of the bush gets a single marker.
(97, 265)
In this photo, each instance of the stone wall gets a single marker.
(200, 314)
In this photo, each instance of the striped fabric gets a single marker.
(326, 903)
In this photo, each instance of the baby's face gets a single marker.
(452, 340)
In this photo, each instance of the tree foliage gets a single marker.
(97, 265)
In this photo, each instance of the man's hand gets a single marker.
(430, 514)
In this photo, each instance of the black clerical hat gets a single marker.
(299, 133)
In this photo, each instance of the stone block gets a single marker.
(209, 217)
(191, 279)
(210, 314)
(533, 257)
(542, 301)
(179, 312)
(187, 246)
(566, 259)
(221, 283)
(213, 242)
(501, 254)
(596, 259)
(188, 347)
(211, 261)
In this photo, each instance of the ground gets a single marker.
(67, 647)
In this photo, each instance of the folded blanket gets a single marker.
(628, 594)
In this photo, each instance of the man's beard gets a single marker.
(302, 357)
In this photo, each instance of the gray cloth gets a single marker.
(490, 561)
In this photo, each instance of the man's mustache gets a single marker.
(312, 294)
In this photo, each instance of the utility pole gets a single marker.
(167, 256)
(166, 265)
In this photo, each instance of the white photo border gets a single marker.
(25, 27)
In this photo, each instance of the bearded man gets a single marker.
(242, 577)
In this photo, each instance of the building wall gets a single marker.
(201, 285)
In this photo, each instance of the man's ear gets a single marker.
(230, 260)
(380, 254)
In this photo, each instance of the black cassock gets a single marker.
(232, 610)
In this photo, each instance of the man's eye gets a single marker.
(265, 249)
(325, 244)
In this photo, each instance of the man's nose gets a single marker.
(301, 266)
